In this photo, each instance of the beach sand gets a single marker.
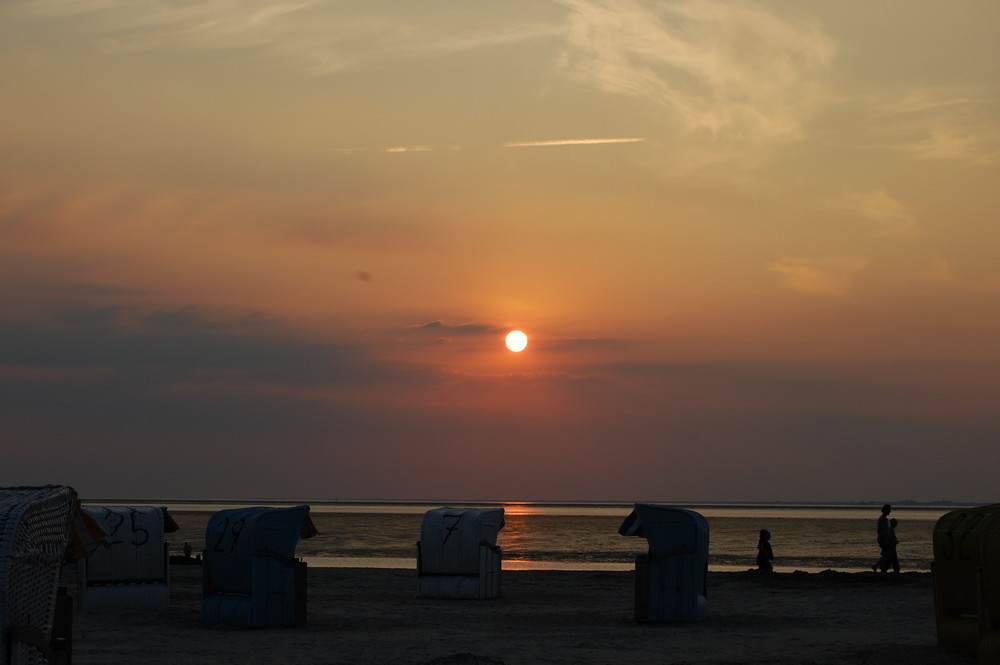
(359, 615)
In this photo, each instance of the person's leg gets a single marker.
(883, 562)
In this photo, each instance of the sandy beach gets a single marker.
(359, 615)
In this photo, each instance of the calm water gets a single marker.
(585, 536)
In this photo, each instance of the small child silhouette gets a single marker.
(764, 554)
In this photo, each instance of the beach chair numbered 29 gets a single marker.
(34, 534)
(671, 579)
(132, 568)
(250, 576)
(457, 555)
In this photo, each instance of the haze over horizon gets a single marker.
(272, 248)
(316, 501)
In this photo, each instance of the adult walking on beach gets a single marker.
(882, 537)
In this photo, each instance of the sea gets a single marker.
(584, 536)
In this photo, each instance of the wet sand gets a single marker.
(358, 615)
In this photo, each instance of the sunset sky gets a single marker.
(270, 249)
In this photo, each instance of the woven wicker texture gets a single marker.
(249, 572)
(989, 598)
(958, 543)
(34, 533)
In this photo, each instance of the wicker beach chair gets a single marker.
(34, 533)
(989, 591)
(457, 555)
(671, 579)
(250, 576)
(132, 568)
(958, 542)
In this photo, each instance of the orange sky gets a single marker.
(271, 249)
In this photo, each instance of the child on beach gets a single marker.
(764, 554)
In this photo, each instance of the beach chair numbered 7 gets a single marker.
(457, 554)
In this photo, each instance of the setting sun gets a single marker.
(516, 341)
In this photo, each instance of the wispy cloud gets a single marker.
(943, 122)
(511, 144)
(830, 276)
(980, 145)
(440, 327)
(736, 70)
(890, 216)
(324, 38)
(408, 148)
(560, 142)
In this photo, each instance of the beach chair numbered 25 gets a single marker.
(132, 568)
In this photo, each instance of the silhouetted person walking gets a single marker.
(883, 530)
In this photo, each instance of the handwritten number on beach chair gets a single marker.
(453, 527)
(222, 535)
(237, 528)
(114, 521)
(138, 540)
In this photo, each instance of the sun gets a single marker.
(516, 341)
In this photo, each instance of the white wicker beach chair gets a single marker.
(132, 568)
(34, 533)
(671, 579)
(457, 555)
(250, 576)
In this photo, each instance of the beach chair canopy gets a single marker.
(86, 534)
(668, 530)
(34, 535)
(671, 579)
(249, 572)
